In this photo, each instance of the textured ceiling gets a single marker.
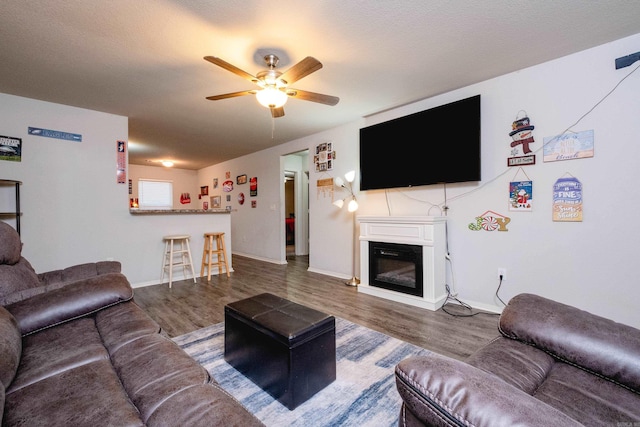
(144, 59)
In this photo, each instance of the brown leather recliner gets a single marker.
(82, 353)
(552, 365)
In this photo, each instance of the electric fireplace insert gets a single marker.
(396, 267)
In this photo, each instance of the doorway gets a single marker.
(296, 204)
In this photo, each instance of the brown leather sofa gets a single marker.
(75, 350)
(552, 365)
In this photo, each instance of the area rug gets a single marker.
(363, 394)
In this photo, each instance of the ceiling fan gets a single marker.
(274, 85)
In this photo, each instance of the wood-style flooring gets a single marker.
(188, 306)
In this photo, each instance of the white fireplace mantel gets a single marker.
(426, 231)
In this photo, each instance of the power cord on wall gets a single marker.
(498, 290)
(450, 300)
(453, 296)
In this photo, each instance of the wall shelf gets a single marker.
(16, 213)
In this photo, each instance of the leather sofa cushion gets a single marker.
(86, 395)
(202, 406)
(587, 398)
(56, 350)
(72, 301)
(523, 366)
(124, 323)
(152, 369)
(613, 349)
(10, 348)
(17, 281)
(79, 272)
(449, 392)
(11, 246)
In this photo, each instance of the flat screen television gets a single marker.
(438, 145)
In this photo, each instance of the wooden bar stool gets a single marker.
(177, 253)
(220, 251)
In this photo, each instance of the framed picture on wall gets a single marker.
(241, 179)
(216, 202)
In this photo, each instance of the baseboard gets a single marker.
(270, 260)
(166, 282)
(329, 273)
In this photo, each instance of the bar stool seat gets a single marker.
(209, 251)
(177, 253)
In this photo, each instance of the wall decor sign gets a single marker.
(569, 146)
(241, 198)
(216, 202)
(325, 187)
(253, 186)
(215, 183)
(185, 198)
(67, 136)
(10, 148)
(121, 173)
(521, 196)
(324, 157)
(490, 221)
(227, 186)
(567, 200)
(241, 179)
(522, 137)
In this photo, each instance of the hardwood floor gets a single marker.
(188, 306)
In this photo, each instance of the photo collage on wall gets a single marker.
(324, 157)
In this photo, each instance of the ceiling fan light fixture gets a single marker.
(271, 97)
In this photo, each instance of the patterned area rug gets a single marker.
(363, 394)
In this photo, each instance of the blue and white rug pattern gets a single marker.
(363, 394)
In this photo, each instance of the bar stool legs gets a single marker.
(220, 251)
(177, 256)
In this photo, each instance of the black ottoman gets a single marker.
(287, 349)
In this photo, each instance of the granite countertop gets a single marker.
(176, 211)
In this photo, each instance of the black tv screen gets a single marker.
(438, 145)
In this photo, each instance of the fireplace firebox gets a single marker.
(396, 267)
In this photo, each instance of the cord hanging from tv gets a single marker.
(434, 146)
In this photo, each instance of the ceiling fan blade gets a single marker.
(302, 69)
(235, 70)
(231, 95)
(312, 96)
(277, 112)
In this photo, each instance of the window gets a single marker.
(153, 194)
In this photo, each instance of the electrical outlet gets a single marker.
(502, 272)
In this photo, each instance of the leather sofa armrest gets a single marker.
(594, 343)
(75, 300)
(441, 391)
(79, 272)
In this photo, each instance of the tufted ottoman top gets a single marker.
(284, 320)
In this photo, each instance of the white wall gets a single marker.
(590, 264)
(74, 211)
(259, 232)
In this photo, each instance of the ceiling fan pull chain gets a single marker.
(273, 127)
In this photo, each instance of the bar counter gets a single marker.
(177, 211)
(152, 224)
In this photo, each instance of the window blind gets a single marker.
(154, 194)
